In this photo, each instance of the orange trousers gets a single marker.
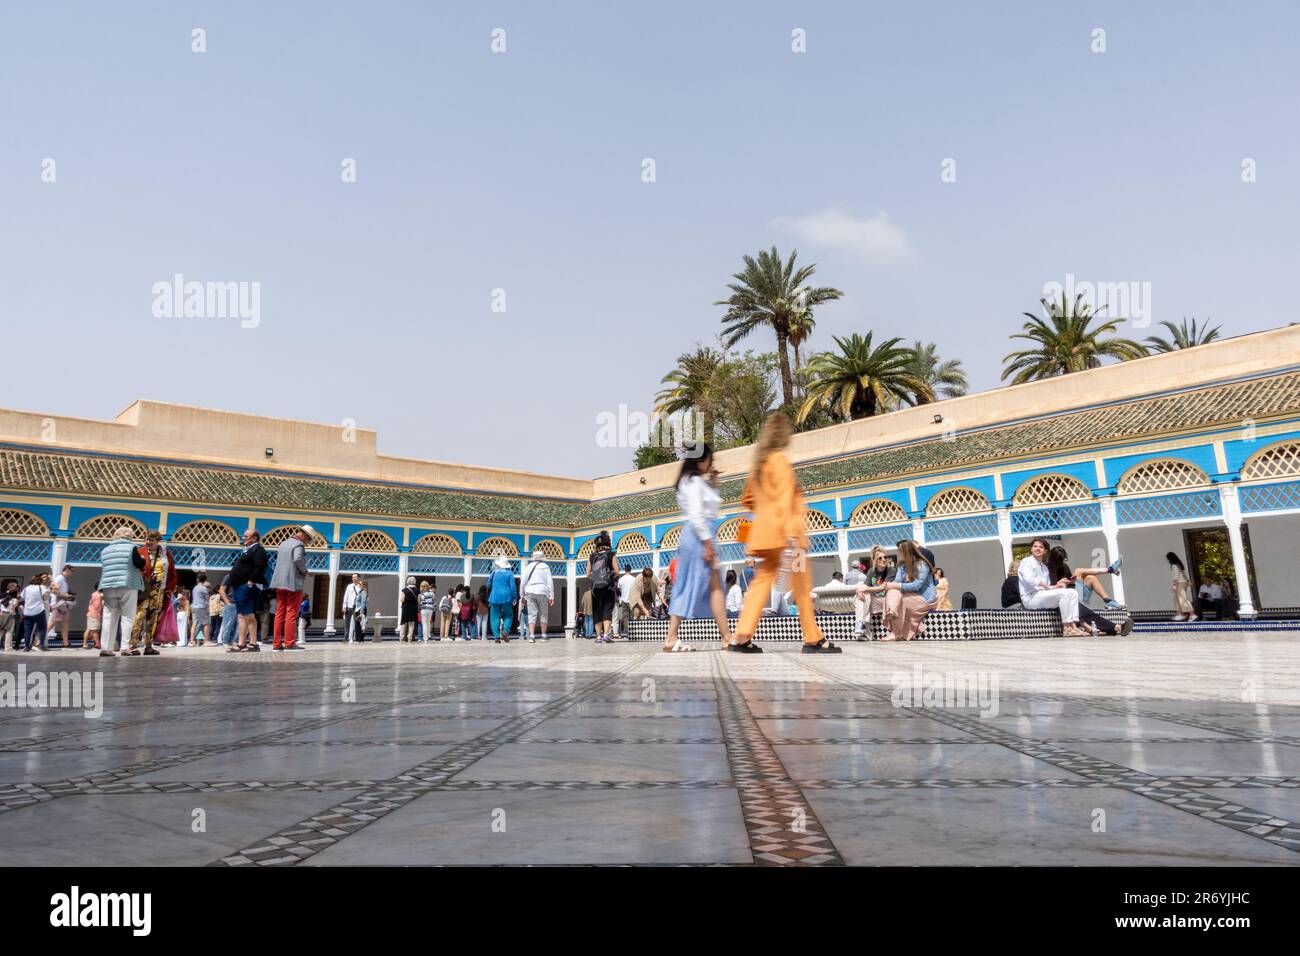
(760, 590)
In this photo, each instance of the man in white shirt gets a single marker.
(350, 607)
(1203, 596)
(1216, 600)
(623, 609)
(536, 595)
(1038, 591)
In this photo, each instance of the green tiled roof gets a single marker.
(130, 478)
(1220, 404)
(133, 478)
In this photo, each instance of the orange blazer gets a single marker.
(777, 503)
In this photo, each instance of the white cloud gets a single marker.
(873, 239)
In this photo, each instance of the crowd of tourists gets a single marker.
(137, 604)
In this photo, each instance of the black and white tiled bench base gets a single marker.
(978, 625)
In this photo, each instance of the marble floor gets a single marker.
(1159, 749)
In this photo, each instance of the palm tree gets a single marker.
(776, 294)
(693, 387)
(801, 328)
(860, 380)
(946, 379)
(1182, 336)
(1065, 342)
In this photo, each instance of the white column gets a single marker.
(842, 542)
(335, 557)
(1004, 537)
(654, 561)
(571, 589)
(1110, 528)
(59, 557)
(403, 563)
(1232, 518)
(918, 530)
(469, 567)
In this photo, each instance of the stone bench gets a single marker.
(978, 625)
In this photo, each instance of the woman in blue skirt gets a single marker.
(697, 593)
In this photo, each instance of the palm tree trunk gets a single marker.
(783, 359)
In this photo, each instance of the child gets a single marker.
(94, 617)
(215, 608)
(181, 605)
(735, 597)
(467, 614)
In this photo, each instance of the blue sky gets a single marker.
(522, 171)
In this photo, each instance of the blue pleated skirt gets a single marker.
(691, 587)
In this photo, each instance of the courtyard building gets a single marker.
(1195, 452)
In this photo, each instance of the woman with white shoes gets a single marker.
(697, 592)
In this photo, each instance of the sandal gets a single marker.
(822, 647)
(747, 647)
(677, 647)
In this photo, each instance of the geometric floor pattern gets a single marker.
(1152, 750)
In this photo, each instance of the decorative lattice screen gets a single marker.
(277, 536)
(1166, 474)
(16, 523)
(494, 546)
(727, 531)
(671, 538)
(814, 520)
(206, 532)
(632, 543)
(1280, 461)
(1051, 490)
(876, 511)
(436, 544)
(102, 527)
(585, 551)
(551, 550)
(370, 540)
(956, 501)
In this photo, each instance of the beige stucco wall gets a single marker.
(201, 434)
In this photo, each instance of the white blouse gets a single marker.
(699, 503)
(735, 598)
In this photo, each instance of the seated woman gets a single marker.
(870, 598)
(1088, 618)
(910, 596)
(1086, 583)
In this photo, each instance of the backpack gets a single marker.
(598, 570)
(968, 602)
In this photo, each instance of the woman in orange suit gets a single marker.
(772, 494)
